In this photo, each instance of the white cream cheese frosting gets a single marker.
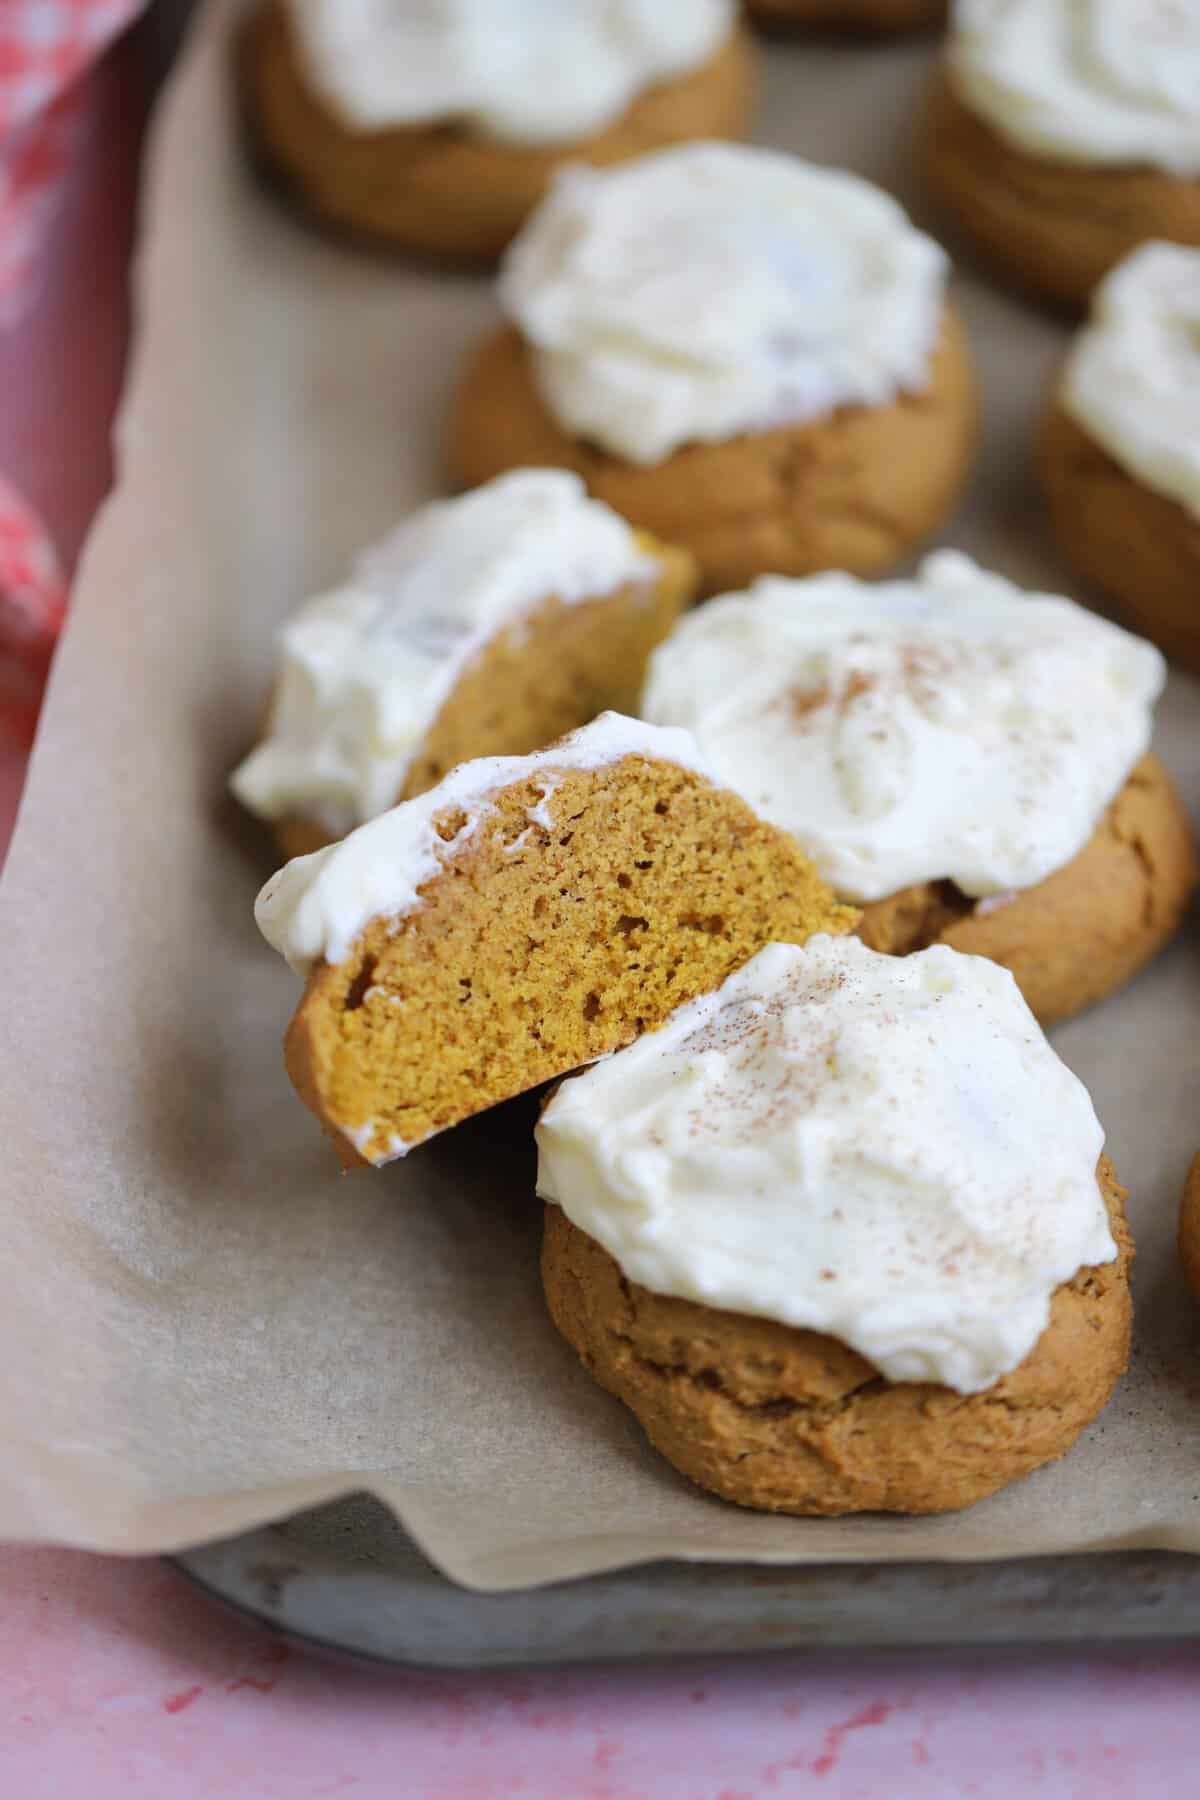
(315, 907)
(950, 727)
(884, 1149)
(366, 669)
(713, 289)
(1113, 82)
(521, 71)
(1132, 378)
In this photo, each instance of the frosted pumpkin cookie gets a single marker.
(1062, 133)
(1120, 449)
(523, 917)
(484, 626)
(965, 761)
(841, 1234)
(437, 127)
(741, 352)
(1189, 1228)
(874, 16)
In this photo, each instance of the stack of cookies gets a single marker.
(771, 897)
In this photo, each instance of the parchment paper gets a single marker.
(203, 1324)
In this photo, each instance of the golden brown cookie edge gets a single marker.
(1054, 228)
(783, 1420)
(441, 190)
(858, 489)
(624, 614)
(596, 990)
(1086, 930)
(1139, 547)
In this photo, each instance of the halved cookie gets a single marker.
(489, 625)
(522, 918)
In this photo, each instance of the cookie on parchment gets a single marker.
(1085, 930)
(965, 761)
(488, 625)
(346, 125)
(1048, 152)
(520, 919)
(840, 1235)
(741, 352)
(1120, 446)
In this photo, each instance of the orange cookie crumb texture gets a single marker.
(544, 675)
(556, 929)
(446, 190)
(784, 1420)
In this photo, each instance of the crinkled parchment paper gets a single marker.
(203, 1324)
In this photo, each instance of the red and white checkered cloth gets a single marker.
(45, 48)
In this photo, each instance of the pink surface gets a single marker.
(117, 1679)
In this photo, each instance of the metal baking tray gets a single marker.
(347, 1578)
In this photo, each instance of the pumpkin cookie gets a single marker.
(439, 133)
(840, 1234)
(1189, 1228)
(966, 762)
(877, 17)
(1060, 134)
(824, 413)
(1120, 449)
(1084, 931)
(484, 626)
(524, 917)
